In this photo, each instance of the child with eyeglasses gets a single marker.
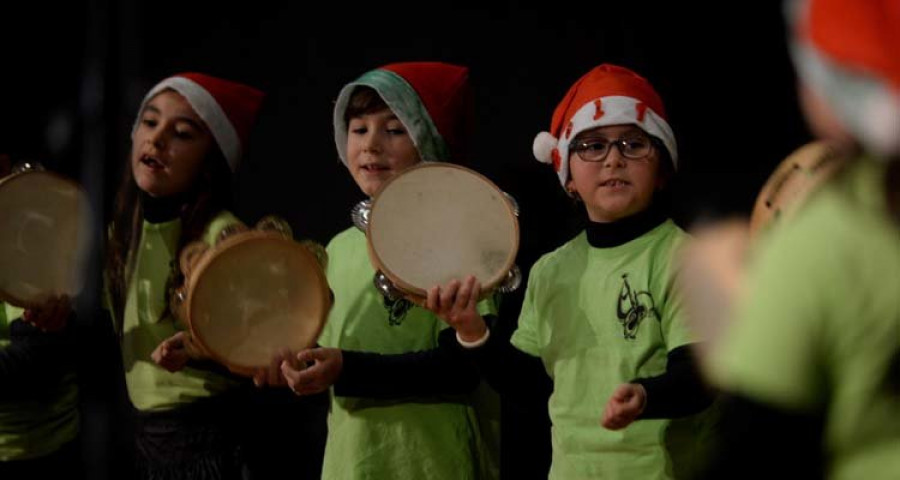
(600, 313)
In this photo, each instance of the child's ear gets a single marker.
(571, 191)
(570, 187)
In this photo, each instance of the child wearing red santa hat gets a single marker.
(600, 314)
(188, 139)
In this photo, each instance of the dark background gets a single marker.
(74, 73)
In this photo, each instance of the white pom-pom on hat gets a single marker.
(543, 146)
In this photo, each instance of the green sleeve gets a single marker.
(490, 305)
(526, 337)
(223, 220)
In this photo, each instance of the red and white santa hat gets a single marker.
(607, 95)
(848, 52)
(227, 108)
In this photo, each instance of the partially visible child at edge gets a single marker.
(402, 399)
(600, 313)
(189, 137)
(811, 366)
(39, 416)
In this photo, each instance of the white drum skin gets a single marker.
(438, 221)
(253, 295)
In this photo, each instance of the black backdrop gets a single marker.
(74, 73)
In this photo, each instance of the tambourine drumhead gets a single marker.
(436, 222)
(792, 181)
(253, 295)
(43, 232)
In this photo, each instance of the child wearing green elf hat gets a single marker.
(402, 397)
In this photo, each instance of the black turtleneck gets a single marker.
(162, 209)
(613, 234)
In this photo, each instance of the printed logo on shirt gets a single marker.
(396, 310)
(632, 307)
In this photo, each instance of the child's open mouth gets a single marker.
(152, 163)
(614, 182)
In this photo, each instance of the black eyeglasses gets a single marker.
(635, 146)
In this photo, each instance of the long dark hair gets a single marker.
(210, 194)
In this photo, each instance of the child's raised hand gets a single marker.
(624, 406)
(172, 353)
(326, 366)
(271, 375)
(51, 316)
(455, 304)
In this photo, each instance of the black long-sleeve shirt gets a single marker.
(443, 370)
(678, 392)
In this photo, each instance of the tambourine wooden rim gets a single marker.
(816, 162)
(11, 298)
(206, 258)
(417, 294)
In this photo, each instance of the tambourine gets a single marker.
(792, 181)
(44, 232)
(712, 264)
(253, 294)
(435, 222)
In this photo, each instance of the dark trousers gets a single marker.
(200, 441)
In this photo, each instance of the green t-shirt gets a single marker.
(39, 426)
(597, 318)
(819, 326)
(418, 438)
(148, 322)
